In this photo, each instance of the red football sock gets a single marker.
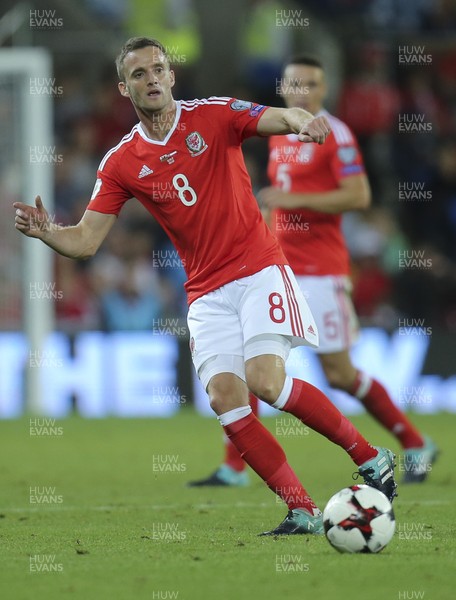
(263, 453)
(314, 409)
(232, 457)
(379, 404)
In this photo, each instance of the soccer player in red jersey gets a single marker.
(183, 161)
(312, 185)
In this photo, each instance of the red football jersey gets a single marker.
(196, 185)
(312, 241)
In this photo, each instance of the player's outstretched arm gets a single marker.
(77, 241)
(280, 121)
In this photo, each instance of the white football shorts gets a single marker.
(329, 298)
(264, 313)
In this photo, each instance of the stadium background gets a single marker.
(121, 343)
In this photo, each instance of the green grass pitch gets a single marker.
(99, 509)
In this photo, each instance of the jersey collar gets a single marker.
(145, 137)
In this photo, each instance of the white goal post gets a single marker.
(21, 68)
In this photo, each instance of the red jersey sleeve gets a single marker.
(108, 195)
(346, 157)
(242, 118)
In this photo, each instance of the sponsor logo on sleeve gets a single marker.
(352, 170)
(256, 109)
(240, 105)
(347, 154)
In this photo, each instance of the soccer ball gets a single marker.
(359, 519)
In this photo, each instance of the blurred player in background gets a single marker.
(183, 161)
(312, 186)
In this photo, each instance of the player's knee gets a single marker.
(265, 377)
(264, 387)
(221, 401)
(226, 394)
(218, 404)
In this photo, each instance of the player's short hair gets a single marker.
(135, 43)
(306, 60)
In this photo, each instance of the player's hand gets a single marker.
(272, 197)
(316, 130)
(32, 221)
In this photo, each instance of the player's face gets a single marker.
(303, 87)
(148, 80)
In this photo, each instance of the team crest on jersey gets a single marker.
(192, 346)
(240, 105)
(195, 143)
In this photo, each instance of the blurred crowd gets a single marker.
(136, 277)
